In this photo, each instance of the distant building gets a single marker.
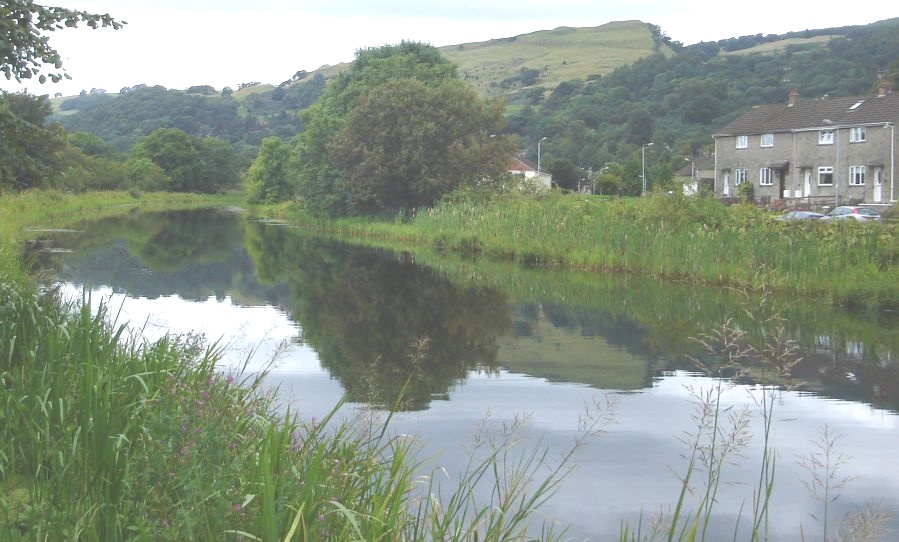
(697, 174)
(521, 166)
(827, 151)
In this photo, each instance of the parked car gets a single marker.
(800, 215)
(850, 212)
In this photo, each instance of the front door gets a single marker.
(807, 190)
(725, 191)
(878, 185)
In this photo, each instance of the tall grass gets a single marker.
(722, 436)
(105, 436)
(666, 235)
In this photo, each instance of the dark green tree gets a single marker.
(407, 144)
(30, 148)
(565, 175)
(318, 177)
(269, 179)
(194, 165)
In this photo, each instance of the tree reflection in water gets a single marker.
(377, 319)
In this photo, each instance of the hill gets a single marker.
(508, 66)
(596, 94)
(549, 57)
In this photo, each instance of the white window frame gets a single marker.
(766, 140)
(857, 134)
(857, 175)
(766, 177)
(740, 176)
(826, 136)
(825, 170)
(742, 142)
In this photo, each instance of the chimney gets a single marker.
(794, 97)
(885, 88)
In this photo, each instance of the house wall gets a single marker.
(804, 154)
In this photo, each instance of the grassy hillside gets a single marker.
(560, 55)
(779, 46)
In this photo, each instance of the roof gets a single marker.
(520, 164)
(812, 114)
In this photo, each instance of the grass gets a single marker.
(561, 55)
(668, 237)
(106, 436)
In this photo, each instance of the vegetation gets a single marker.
(395, 131)
(678, 101)
(669, 236)
(26, 49)
(192, 164)
(107, 436)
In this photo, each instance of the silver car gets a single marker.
(851, 212)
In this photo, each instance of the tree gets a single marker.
(175, 152)
(318, 177)
(407, 144)
(25, 50)
(29, 148)
(565, 175)
(269, 178)
(194, 165)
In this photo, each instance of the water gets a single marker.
(491, 340)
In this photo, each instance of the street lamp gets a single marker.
(538, 152)
(643, 152)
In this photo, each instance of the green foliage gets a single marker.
(269, 179)
(30, 149)
(406, 144)
(565, 174)
(679, 100)
(328, 117)
(194, 165)
(26, 48)
(91, 144)
(122, 120)
(746, 191)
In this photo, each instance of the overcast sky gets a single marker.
(179, 43)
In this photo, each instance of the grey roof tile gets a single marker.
(813, 113)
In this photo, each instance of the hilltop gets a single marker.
(544, 59)
(595, 94)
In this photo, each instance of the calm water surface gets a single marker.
(484, 340)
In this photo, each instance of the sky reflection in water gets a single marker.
(629, 469)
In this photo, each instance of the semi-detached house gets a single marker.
(829, 151)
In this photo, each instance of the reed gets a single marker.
(668, 236)
(106, 436)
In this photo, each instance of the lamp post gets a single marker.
(643, 152)
(538, 152)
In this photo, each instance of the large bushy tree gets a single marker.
(269, 179)
(192, 164)
(406, 144)
(333, 188)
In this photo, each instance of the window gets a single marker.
(857, 134)
(739, 176)
(767, 140)
(766, 177)
(856, 175)
(742, 142)
(825, 176)
(825, 137)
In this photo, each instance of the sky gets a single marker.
(180, 43)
